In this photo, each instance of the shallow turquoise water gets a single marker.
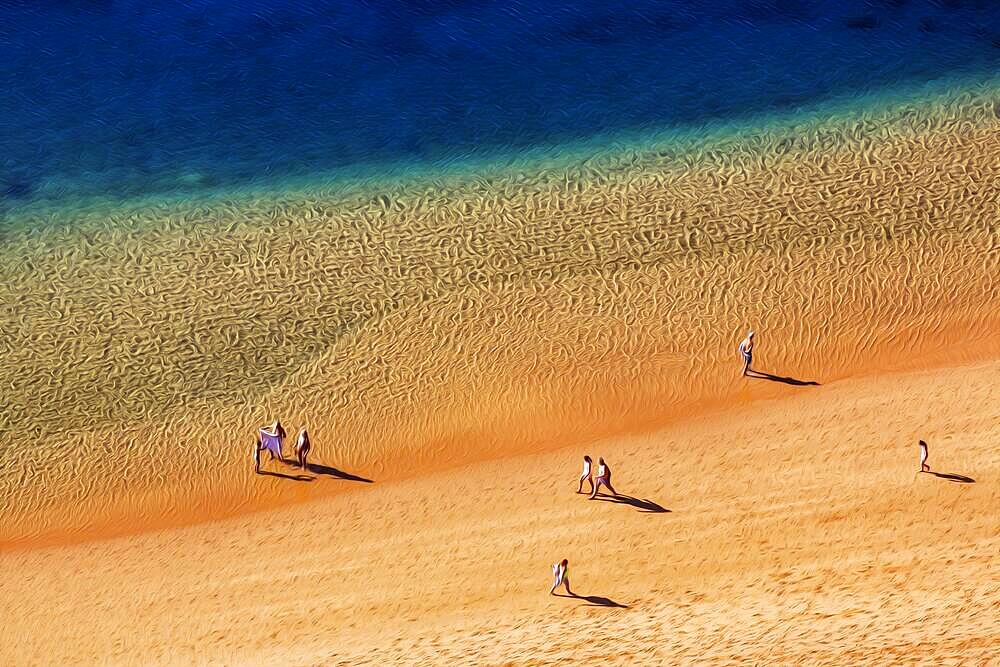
(122, 98)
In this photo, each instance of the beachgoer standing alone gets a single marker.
(746, 351)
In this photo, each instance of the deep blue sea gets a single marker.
(125, 97)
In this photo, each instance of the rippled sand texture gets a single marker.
(799, 532)
(435, 323)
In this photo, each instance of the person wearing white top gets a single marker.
(603, 478)
(559, 572)
(586, 476)
(746, 351)
(923, 457)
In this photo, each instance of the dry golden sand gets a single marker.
(799, 531)
(433, 324)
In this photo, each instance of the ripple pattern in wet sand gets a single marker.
(436, 322)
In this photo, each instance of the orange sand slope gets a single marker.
(798, 531)
(432, 324)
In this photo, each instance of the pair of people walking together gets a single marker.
(603, 477)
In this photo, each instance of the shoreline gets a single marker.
(913, 104)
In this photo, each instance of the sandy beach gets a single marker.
(442, 323)
(455, 347)
(796, 529)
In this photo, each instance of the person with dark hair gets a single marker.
(278, 429)
(272, 439)
(923, 457)
(746, 351)
(559, 573)
(603, 478)
(587, 476)
(256, 455)
(302, 446)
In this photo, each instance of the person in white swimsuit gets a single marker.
(923, 457)
(302, 447)
(587, 476)
(603, 479)
(746, 351)
(559, 573)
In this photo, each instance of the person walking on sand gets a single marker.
(587, 476)
(256, 455)
(302, 447)
(272, 439)
(603, 478)
(560, 576)
(923, 457)
(746, 351)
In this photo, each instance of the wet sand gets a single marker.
(794, 529)
(431, 324)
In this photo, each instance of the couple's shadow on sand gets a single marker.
(594, 600)
(316, 469)
(641, 504)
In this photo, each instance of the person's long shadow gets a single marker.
(961, 479)
(761, 375)
(320, 469)
(297, 478)
(594, 600)
(641, 504)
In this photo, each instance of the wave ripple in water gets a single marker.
(130, 97)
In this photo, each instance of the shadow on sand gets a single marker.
(594, 600)
(761, 375)
(316, 469)
(320, 469)
(643, 505)
(297, 478)
(961, 479)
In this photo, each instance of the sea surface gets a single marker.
(120, 98)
